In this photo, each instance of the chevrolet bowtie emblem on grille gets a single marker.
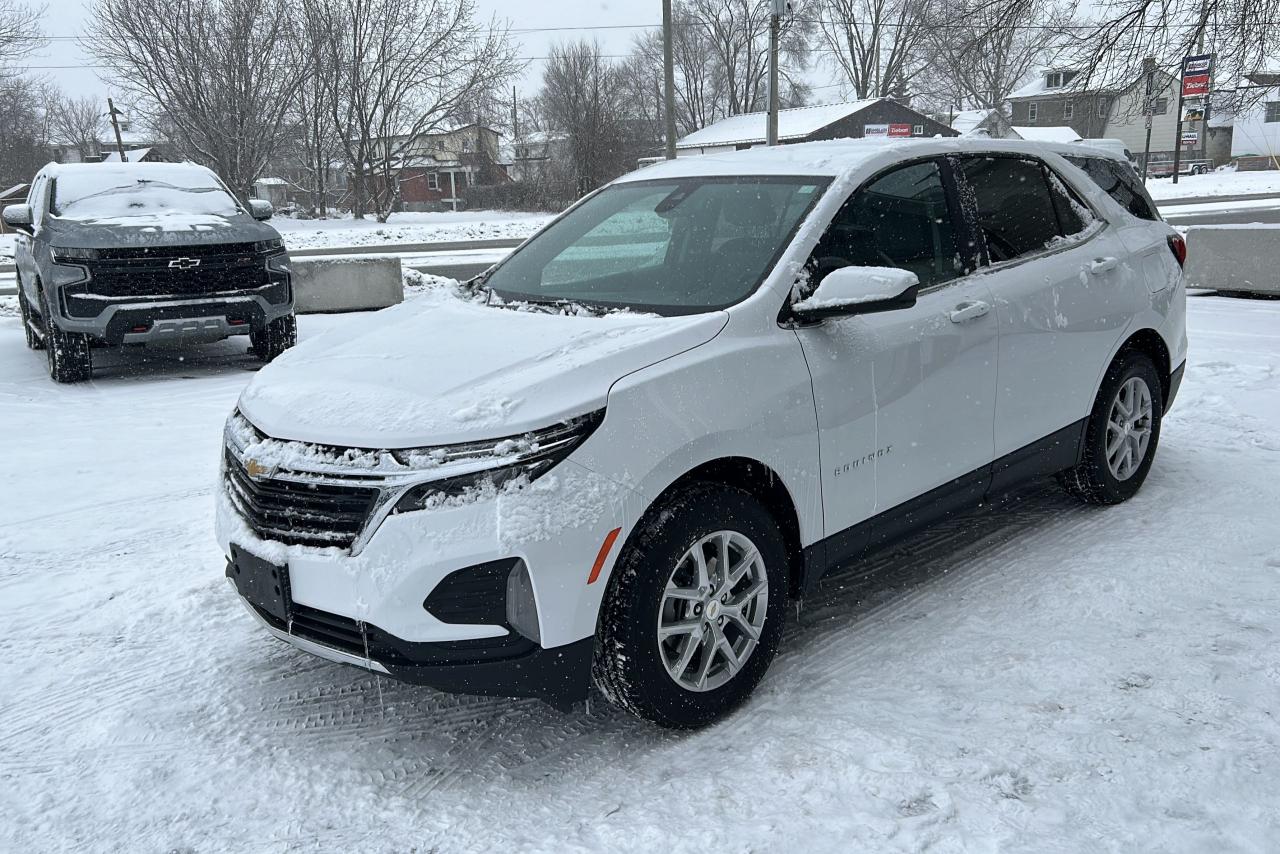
(257, 470)
(184, 263)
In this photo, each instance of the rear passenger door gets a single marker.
(1063, 294)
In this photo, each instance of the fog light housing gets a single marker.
(522, 610)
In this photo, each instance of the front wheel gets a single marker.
(70, 359)
(278, 336)
(695, 608)
(1122, 433)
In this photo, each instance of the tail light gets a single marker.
(1178, 246)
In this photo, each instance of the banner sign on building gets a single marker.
(1190, 137)
(1196, 71)
(894, 130)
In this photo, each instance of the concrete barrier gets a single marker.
(1243, 258)
(346, 284)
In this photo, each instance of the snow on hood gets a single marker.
(431, 372)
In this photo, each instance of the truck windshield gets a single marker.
(86, 195)
(677, 246)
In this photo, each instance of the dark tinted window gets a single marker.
(1119, 182)
(1022, 207)
(900, 219)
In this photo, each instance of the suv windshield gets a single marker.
(677, 246)
(112, 193)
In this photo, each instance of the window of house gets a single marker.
(1103, 107)
(1022, 207)
(1272, 112)
(1160, 106)
(433, 181)
(917, 130)
(1033, 110)
(1068, 110)
(900, 219)
(1053, 80)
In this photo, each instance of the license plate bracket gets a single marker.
(261, 582)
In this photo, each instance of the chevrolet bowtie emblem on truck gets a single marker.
(184, 263)
(258, 471)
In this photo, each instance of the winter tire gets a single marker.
(70, 359)
(34, 340)
(278, 336)
(695, 608)
(1122, 433)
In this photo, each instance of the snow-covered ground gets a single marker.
(1223, 183)
(1040, 677)
(408, 228)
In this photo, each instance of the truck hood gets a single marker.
(168, 229)
(431, 372)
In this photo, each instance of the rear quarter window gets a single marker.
(1119, 182)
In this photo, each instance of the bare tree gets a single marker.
(20, 33)
(78, 122)
(222, 73)
(979, 51)
(738, 33)
(700, 91)
(584, 99)
(877, 45)
(313, 145)
(400, 69)
(23, 145)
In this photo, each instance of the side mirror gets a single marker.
(859, 290)
(18, 217)
(260, 209)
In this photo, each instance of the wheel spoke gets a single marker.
(730, 657)
(1116, 445)
(690, 646)
(700, 562)
(684, 627)
(750, 593)
(708, 656)
(735, 575)
(744, 625)
(686, 594)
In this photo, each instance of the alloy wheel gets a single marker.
(1129, 428)
(713, 610)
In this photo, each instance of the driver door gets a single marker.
(905, 399)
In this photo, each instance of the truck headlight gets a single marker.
(62, 254)
(481, 466)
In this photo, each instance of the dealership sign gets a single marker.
(894, 130)
(1196, 71)
(1190, 137)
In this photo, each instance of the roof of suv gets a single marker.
(839, 157)
(152, 171)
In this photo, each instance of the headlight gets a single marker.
(68, 274)
(479, 467)
(62, 254)
(268, 245)
(279, 263)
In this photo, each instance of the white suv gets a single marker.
(621, 452)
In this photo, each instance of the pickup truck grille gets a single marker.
(137, 272)
(297, 512)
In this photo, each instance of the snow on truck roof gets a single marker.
(832, 158)
(172, 173)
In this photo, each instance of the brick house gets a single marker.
(435, 167)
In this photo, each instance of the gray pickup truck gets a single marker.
(142, 253)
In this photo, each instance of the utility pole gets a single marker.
(515, 117)
(775, 26)
(669, 79)
(1148, 110)
(115, 124)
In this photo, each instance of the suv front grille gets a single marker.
(222, 268)
(299, 513)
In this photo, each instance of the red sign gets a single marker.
(899, 130)
(1195, 85)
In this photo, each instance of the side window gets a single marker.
(39, 200)
(1022, 207)
(900, 219)
(1119, 182)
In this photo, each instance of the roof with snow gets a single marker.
(1096, 80)
(271, 182)
(1052, 133)
(794, 123)
(966, 120)
(137, 155)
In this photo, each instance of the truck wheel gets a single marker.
(70, 360)
(1122, 434)
(279, 335)
(34, 339)
(695, 608)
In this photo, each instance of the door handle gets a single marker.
(1098, 266)
(969, 310)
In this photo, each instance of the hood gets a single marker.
(431, 372)
(168, 229)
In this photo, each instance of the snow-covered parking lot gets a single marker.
(1041, 676)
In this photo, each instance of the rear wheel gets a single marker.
(278, 336)
(1122, 434)
(695, 608)
(70, 360)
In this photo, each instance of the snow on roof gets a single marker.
(182, 174)
(795, 123)
(135, 156)
(272, 182)
(1097, 80)
(827, 158)
(1056, 133)
(14, 190)
(966, 120)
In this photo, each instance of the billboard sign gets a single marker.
(1196, 71)
(896, 130)
(1190, 137)
(899, 130)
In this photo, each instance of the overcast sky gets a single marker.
(71, 68)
